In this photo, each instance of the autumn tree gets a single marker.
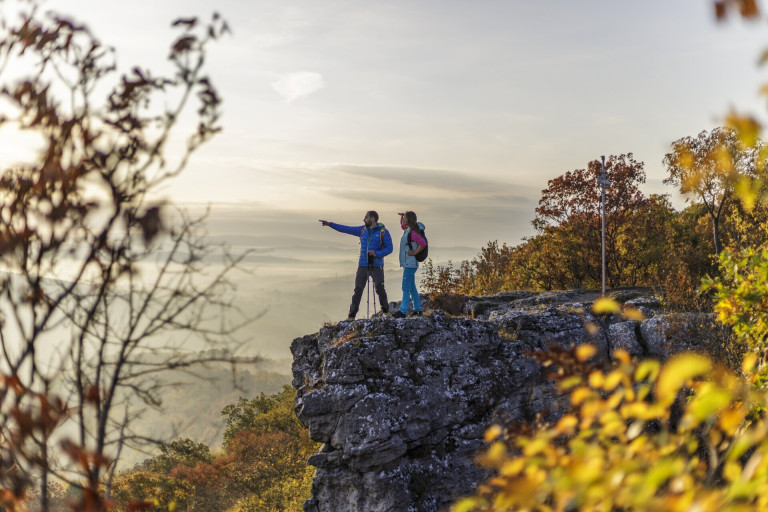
(185, 474)
(150, 491)
(532, 265)
(97, 271)
(643, 244)
(183, 451)
(708, 167)
(440, 280)
(570, 211)
(262, 414)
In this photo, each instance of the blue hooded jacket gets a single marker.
(370, 240)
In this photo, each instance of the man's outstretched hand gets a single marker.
(325, 222)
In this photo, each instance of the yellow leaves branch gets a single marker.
(620, 446)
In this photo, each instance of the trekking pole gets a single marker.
(375, 291)
(368, 295)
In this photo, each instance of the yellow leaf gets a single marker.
(748, 364)
(731, 419)
(466, 504)
(615, 398)
(647, 369)
(661, 472)
(497, 482)
(606, 305)
(612, 380)
(614, 428)
(495, 454)
(622, 356)
(579, 395)
(584, 352)
(505, 499)
(492, 433)
(567, 424)
(709, 401)
(632, 313)
(596, 379)
(747, 129)
(535, 446)
(732, 471)
(677, 371)
(570, 382)
(512, 467)
(592, 410)
(634, 410)
(747, 190)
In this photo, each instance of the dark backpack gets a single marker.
(423, 254)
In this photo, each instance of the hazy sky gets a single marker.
(458, 110)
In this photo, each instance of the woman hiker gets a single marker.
(411, 244)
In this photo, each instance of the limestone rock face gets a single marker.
(401, 405)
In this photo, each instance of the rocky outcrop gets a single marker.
(401, 405)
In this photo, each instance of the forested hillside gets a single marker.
(261, 465)
(191, 404)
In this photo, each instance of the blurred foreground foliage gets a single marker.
(686, 435)
(99, 273)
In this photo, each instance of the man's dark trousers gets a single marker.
(361, 279)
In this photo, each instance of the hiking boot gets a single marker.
(398, 314)
(350, 318)
(415, 313)
(385, 314)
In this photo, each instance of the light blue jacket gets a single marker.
(405, 260)
(370, 240)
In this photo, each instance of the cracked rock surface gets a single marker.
(401, 405)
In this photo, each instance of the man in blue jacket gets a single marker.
(375, 243)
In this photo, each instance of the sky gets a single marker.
(461, 111)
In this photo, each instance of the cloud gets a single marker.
(457, 184)
(292, 86)
(460, 208)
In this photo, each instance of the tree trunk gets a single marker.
(716, 234)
